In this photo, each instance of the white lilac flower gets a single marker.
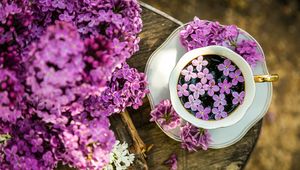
(120, 158)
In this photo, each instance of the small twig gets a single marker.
(139, 145)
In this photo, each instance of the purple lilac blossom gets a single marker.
(238, 98)
(205, 76)
(226, 67)
(197, 90)
(11, 93)
(201, 33)
(194, 138)
(127, 88)
(248, 50)
(211, 87)
(172, 162)
(202, 112)
(193, 103)
(182, 90)
(165, 115)
(236, 77)
(199, 62)
(225, 86)
(219, 100)
(51, 79)
(219, 112)
(188, 73)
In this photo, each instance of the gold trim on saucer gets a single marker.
(266, 78)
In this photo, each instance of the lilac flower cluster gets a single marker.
(211, 88)
(165, 115)
(127, 88)
(194, 138)
(201, 33)
(59, 80)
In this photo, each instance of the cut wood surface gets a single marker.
(156, 29)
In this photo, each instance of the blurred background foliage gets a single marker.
(276, 25)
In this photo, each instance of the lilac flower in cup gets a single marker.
(211, 87)
(192, 103)
(226, 67)
(205, 76)
(203, 112)
(182, 90)
(225, 86)
(219, 112)
(188, 73)
(236, 77)
(219, 100)
(197, 90)
(238, 97)
(199, 62)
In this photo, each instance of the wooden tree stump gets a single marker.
(157, 27)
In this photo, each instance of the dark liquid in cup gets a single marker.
(218, 75)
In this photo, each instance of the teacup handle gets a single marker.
(266, 78)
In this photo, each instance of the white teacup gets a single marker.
(249, 78)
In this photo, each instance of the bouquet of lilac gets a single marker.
(62, 73)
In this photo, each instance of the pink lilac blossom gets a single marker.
(225, 86)
(188, 73)
(236, 76)
(219, 100)
(211, 87)
(226, 67)
(204, 76)
(172, 162)
(194, 138)
(202, 112)
(219, 112)
(238, 98)
(165, 115)
(199, 62)
(197, 90)
(193, 103)
(182, 90)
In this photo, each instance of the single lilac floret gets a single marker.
(236, 77)
(211, 87)
(225, 86)
(205, 76)
(188, 73)
(197, 90)
(182, 90)
(199, 62)
(202, 112)
(219, 100)
(192, 103)
(238, 97)
(219, 112)
(172, 162)
(226, 67)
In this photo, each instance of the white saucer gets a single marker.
(159, 67)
